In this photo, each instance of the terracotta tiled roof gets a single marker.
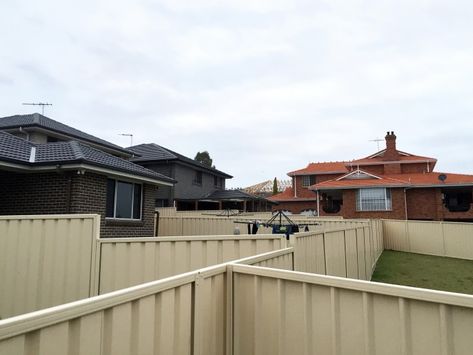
(398, 180)
(337, 167)
(378, 158)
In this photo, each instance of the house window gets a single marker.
(198, 178)
(375, 199)
(123, 199)
(218, 182)
(308, 180)
(457, 201)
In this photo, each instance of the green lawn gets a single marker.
(435, 272)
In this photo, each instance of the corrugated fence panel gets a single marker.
(194, 224)
(363, 272)
(449, 239)
(395, 235)
(148, 319)
(310, 255)
(210, 313)
(46, 261)
(425, 237)
(335, 256)
(280, 312)
(185, 314)
(349, 252)
(458, 239)
(131, 261)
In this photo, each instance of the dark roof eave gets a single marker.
(203, 167)
(84, 164)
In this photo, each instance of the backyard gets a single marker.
(425, 271)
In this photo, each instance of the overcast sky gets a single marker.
(266, 86)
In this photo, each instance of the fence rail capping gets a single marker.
(449, 298)
(265, 256)
(49, 216)
(193, 238)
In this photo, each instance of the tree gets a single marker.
(204, 158)
(275, 186)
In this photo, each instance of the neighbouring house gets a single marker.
(265, 188)
(47, 167)
(388, 184)
(194, 180)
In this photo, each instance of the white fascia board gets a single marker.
(359, 172)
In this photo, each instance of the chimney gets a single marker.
(391, 152)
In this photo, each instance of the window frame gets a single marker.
(359, 202)
(133, 183)
(197, 174)
(308, 180)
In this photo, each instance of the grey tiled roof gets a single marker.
(18, 150)
(153, 152)
(14, 148)
(37, 120)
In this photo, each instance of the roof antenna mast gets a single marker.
(42, 104)
(128, 135)
(377, 140)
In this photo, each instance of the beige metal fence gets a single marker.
(281, 312)
(237, 309)
(46, 260)
(54, 259)
(131, 261)
(346, 252)
(186, 314)
(209, 225)
(435, 238)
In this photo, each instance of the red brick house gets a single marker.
(388, 184)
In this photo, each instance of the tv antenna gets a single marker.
(128, 135)
(42, 104)
(377, 140)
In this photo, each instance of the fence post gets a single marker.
(197, 316)
(442, 225)
(94, 286)
(229, 312)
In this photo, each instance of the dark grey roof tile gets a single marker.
(153, 152)
(19, 150)
(14, 148)
(38, 120)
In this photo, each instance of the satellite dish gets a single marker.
(442, 177)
